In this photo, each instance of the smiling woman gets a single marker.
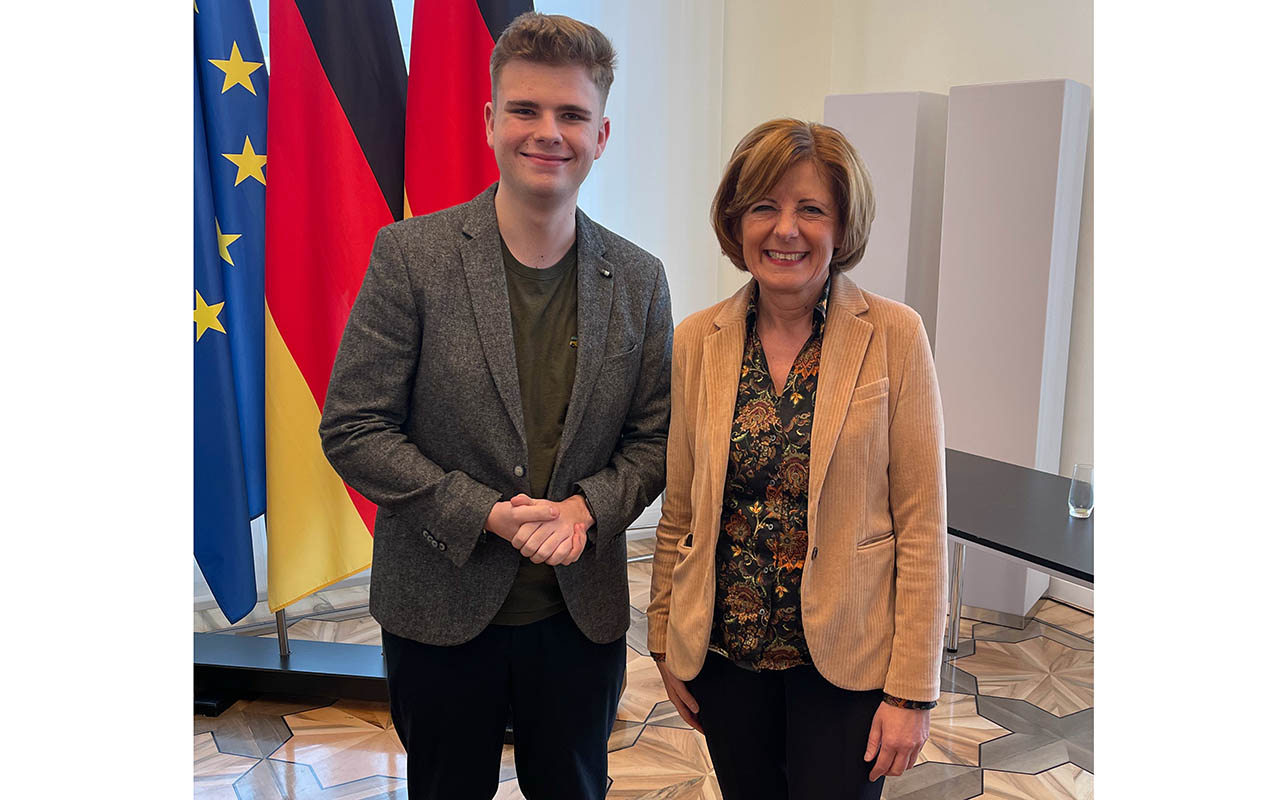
(769, 464)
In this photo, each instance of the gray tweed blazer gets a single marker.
(423, 417)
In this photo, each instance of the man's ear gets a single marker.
(602, 138)
(489, 114)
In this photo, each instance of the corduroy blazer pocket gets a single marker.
(873, 389)
(863, 436)
(684, 548)
(684, 562)
(878, 539)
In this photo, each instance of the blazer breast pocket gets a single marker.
(621, 357)
(863, 438)
(618, 371)
(873, 389)
(615, 384)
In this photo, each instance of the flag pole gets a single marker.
(282, 633)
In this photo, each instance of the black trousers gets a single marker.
(785, 734)
(450, 707)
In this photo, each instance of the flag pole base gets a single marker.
(242, 665)
(213, 703)
(282, 633)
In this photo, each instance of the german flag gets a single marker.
(446, 159)
(335, 135)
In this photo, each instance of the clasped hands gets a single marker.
(543, 531)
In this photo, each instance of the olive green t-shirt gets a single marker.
(544, 322)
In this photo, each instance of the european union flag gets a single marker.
(230, 199)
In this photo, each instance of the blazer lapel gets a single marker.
(721, 370)
(482, 264)
(844, 346)
(595, 305)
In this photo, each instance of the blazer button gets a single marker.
(442, 546)
(519, 470)
(814, 554)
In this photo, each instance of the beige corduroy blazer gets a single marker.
(873, 589)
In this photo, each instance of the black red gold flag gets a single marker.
(335, 135)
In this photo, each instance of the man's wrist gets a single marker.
(586, 507)
(492, 522)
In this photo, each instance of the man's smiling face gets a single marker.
(546, 126)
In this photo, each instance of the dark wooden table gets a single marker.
(1016, 513)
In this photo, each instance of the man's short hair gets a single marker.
(557, 41)
(761, 159)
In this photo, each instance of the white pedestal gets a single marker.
(1010, 227)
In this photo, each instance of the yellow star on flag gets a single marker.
(248, 163)
(225, 239)
(206, 316)
(236, 70)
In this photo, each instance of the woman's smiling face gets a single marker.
(789, 235)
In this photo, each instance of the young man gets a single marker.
(502, 394)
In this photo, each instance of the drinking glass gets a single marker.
(1080, 498)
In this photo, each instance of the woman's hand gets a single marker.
(898, 735)
(679, 695)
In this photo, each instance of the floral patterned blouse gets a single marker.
(764, 535)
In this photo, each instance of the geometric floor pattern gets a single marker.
(1015, 722)
(1041, 671)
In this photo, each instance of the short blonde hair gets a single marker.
(761, 159)
(558, 41)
